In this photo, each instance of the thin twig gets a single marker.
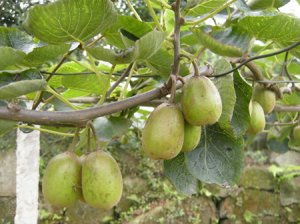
(176, 36)
(133, 10)
(153, 15)
(244, 62)
(122, 77)
(106, 73)
(285, 69)
(40, 98)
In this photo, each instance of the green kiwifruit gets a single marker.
(163, 134)
(192, 135)
(296, 135)
(62, 180)
(102, 183)
(257, 118)
(201, 101)
(266, 98)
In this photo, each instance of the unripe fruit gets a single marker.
(296, 135)
(192, 135)
(62, 180)
(257, 118)
(201, 101)
(163, 134)
(266, 98)
(102, 183)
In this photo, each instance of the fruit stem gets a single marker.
(46, 130)
(74, 141)
(196, 69)
(90, 126)
(173, 88)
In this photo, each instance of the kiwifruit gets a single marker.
(257, 118)
(62, 180)
(102, 183)
(192, 135)
(201, 101)
(296, 135)
(163, 134)
(266, 98)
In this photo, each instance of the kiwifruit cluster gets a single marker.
(263, 102)
(94, 178)
(172, 128)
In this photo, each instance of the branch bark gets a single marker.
(79, 118)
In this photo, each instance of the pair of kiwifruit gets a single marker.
(170, 129)
(263, 102)
(95, 179)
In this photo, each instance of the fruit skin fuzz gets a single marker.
(201, 101)
(62, 175)
(163, 134)
(102, 183)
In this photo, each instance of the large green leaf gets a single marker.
(204, 7)
(230, 41)
(69, 20)
(143, 48)
(226, 89)
(283, 29)
(241, 117)
(10, 56)
(7, 77)
(177, 172)
(108, 128)
(45, 53)
(20, 88)
(218, 158)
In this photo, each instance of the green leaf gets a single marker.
(218, 158)
(231, 41)
(264, 4)
(143, 48)
(6, 126)
(14, 38)
(128, 23)
(149, 44)
(226, 89)
(89, 83)
(108, 128)
(241, 117)
(161, 62)
(69, 20)
(100, 53)
(10, 56)
(176, 171)
(282, 29)
(291, 99)
(20, 88)
(204, 7)
(6, 77)
(45, 53)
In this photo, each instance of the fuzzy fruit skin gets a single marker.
(201, 101)
(102, 183)
(62, 175)
(266, 98)
(163, 134)
(192, 135)
(296, 135)
(257, 118)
